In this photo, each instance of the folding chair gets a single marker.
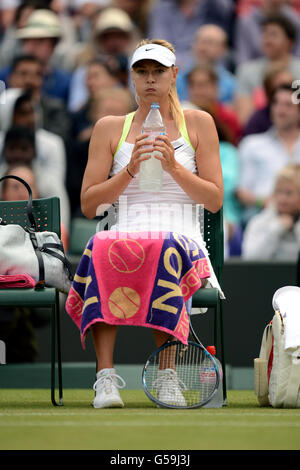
(81, 231)
(47, 215)
(213, 233)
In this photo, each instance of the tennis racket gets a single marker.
(181, 376)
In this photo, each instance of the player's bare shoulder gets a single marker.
(200, 125)
(196, 117)
(109, 130)
(110, 124)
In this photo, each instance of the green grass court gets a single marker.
(29, 421)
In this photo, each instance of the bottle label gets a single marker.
(152, 136)
(207, 374)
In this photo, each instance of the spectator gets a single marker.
(178, 20)
(210, 45)
(83, 13)
(278, 38)
(50, 158)
(102, 73)
(203, 93)
(247, 43)
(69, 40)
(202, 82)
(112, 101)
(263, 155)
(138, 12)
(260, 120)
(231, 174)
(112, 36)
(18, 109)
(115, 102)
(27, 73)
(274, 234)
(41, 42)
(19, 149)
(10, 44)
(7, 12)
(245, 6)
(12, 190)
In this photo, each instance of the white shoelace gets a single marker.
(107, 380)
(170, 379)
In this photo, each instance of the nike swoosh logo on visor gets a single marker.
(176, 148)
(151, 49)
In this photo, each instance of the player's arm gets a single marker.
(97, 189)
(207, 187)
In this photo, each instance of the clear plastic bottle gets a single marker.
(151, 172)
(217, 400)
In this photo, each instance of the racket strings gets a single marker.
(170, 375)
(181, 375)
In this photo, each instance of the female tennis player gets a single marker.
(189, 155)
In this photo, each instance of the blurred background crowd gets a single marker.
(64, 65)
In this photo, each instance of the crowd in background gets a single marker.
(64, 64)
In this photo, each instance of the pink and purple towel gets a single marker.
(8, 281)
(137, 279)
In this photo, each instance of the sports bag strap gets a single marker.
(261, 383)
(29, 203)
(266, 344)
(41, 282)
(57, 246)
(62, 258)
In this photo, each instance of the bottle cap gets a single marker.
(154, 105)
(211, 350)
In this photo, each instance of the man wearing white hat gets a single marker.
(39, 38)
(113, 35)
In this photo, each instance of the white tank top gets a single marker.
(171, 209)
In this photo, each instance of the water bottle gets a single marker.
(217, 400)
(151, 172)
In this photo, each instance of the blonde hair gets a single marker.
(175, 106)
(290, 172)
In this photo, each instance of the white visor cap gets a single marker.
(160, 54)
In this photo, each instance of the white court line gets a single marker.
(157, 413)
(154, 424)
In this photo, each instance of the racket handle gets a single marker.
(261, 386)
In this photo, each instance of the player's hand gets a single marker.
(139, 153)
(163, 145)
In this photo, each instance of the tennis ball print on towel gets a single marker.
(126, 256)
(124, 302)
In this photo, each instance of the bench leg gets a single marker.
(219, 328)
(56, 340)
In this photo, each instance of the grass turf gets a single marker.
(29, 421)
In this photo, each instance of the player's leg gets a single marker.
(108, 382)
(104, 339)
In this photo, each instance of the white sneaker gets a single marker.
(106, 388)
(168, 388)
